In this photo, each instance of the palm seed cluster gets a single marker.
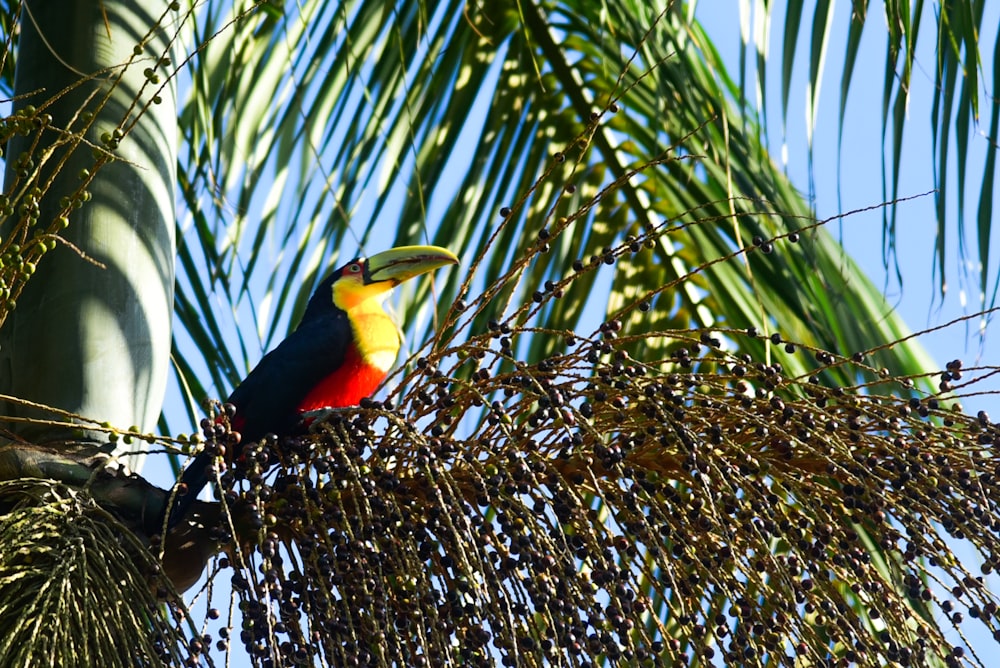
(590, 509)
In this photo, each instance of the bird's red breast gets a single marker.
(352, 381)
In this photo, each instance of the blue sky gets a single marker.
(859, 178)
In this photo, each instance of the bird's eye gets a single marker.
(354, 268)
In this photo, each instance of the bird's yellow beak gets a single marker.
(401, 264)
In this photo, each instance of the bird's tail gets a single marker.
(195, 477)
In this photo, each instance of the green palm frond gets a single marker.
(423, 122)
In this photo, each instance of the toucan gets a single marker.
(338, 354)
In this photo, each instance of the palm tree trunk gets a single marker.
(95, 340)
